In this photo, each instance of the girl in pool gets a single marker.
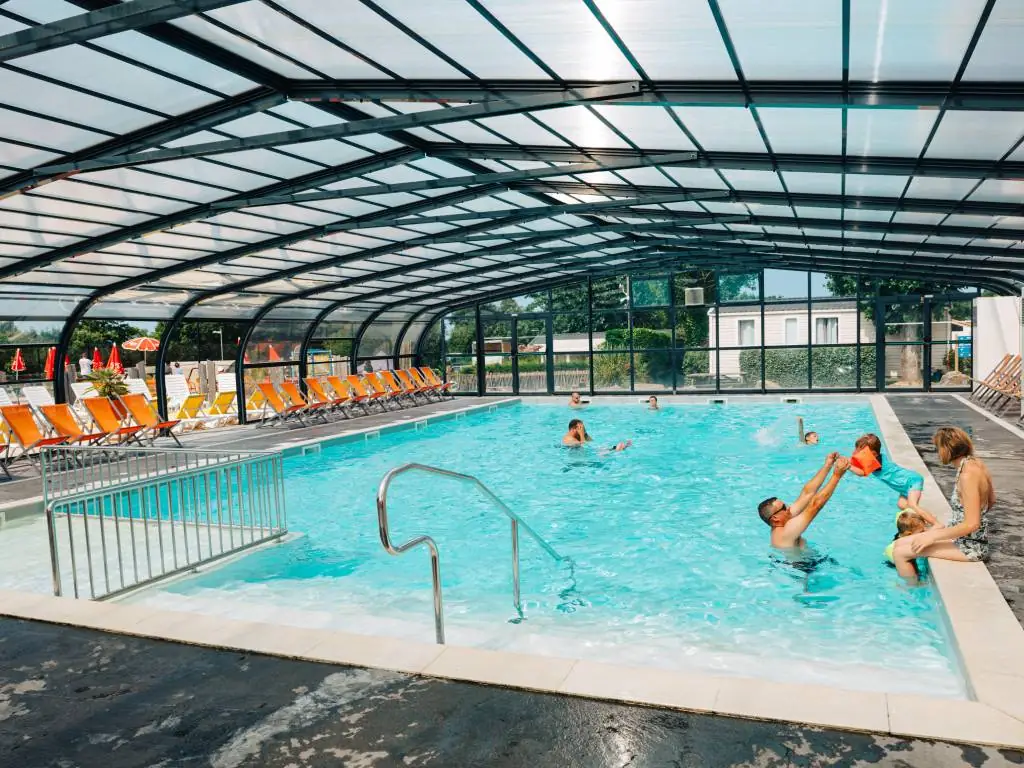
(577, 437)
(906, 483)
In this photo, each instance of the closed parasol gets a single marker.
(114, 363)
(97, 361)
(51, 360)
(18, 363)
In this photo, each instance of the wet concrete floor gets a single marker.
(77, 698)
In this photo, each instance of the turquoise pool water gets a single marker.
(672, 565)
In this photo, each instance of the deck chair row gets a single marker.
(105, 427)
(1001, 386)
(333, 395)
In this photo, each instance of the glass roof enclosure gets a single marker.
(286, 162)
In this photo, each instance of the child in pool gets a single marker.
(906, 483)
(909, 521)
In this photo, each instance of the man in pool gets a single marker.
(652, 403)
(575, 401)
(789, 521)
(577, 437)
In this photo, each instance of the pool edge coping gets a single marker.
(994, 717)
(982, 627)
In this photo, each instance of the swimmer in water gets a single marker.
(577, 437)
(575, 401)
(789, 521)
(652, 403)
(806, 438)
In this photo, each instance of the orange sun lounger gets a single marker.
(359, 390)
(103, 414)
(319, 394)
(292, 391)
(64, 423)
(406, 379)
(24, 430)
(140, 410)
(386, 394)
(282, 412)
(399, 389)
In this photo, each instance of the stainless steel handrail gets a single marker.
(435, 565)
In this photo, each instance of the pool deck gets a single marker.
(990, 639)
(78, 697)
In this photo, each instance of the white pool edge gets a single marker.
(989, 640)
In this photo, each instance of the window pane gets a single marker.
(740, 369)
(572, 373)
(651, 292)
(611, 330)
(652, 370)
(430, 348)
(904, 322)
(693, 328)
(951, 365)
(836, 367)
(694, 289)
(652, 329)
(868, 357)
(746, 335)
(498, 370)
(784, 368)
(461, 369)
(694, 370)
(825, 286)
(826, 330)
(785, 324)
(533, 375)
(611, 371)
(904, 365)
(274, 374)
(744, 287)
(460, 334)
(784, 284)
(611, 292)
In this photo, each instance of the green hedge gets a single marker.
(643, 338)
(787, 368)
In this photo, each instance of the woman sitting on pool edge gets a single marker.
(577, 437)
(965, 539)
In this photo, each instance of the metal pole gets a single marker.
(515, 566)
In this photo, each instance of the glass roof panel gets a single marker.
(997, 55)
(803, 131)
(1000, 190)
(871, 185)
(817, 183)
(888, 132)
(672, 41)
(980, 135)
(910, 39)
(648, 127)
(722, 129)
(948, 189)
(580, 126)
(231, 42)
(547, 27)
(766, 34)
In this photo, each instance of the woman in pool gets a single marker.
(965, 539)
(577, 437)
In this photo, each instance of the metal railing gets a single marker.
(435, 565)
(120, 518)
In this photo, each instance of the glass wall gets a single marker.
(704, 331)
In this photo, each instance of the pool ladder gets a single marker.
(435, 565)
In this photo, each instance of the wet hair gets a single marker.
(766, 509)
(652, 397)
(908, 523)
(579, 422)
(952, 443)
(808, 435)
(872, 443)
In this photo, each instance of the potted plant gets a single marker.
(110, 384)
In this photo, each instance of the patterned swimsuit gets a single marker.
(974, 546)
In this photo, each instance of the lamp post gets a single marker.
(220, 333)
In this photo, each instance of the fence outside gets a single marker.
(120, 518)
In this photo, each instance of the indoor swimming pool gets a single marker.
(671, 562)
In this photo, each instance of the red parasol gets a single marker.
(97, 361)
(272, 355)
(51, 359)
(18, 363)
(114, 363)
